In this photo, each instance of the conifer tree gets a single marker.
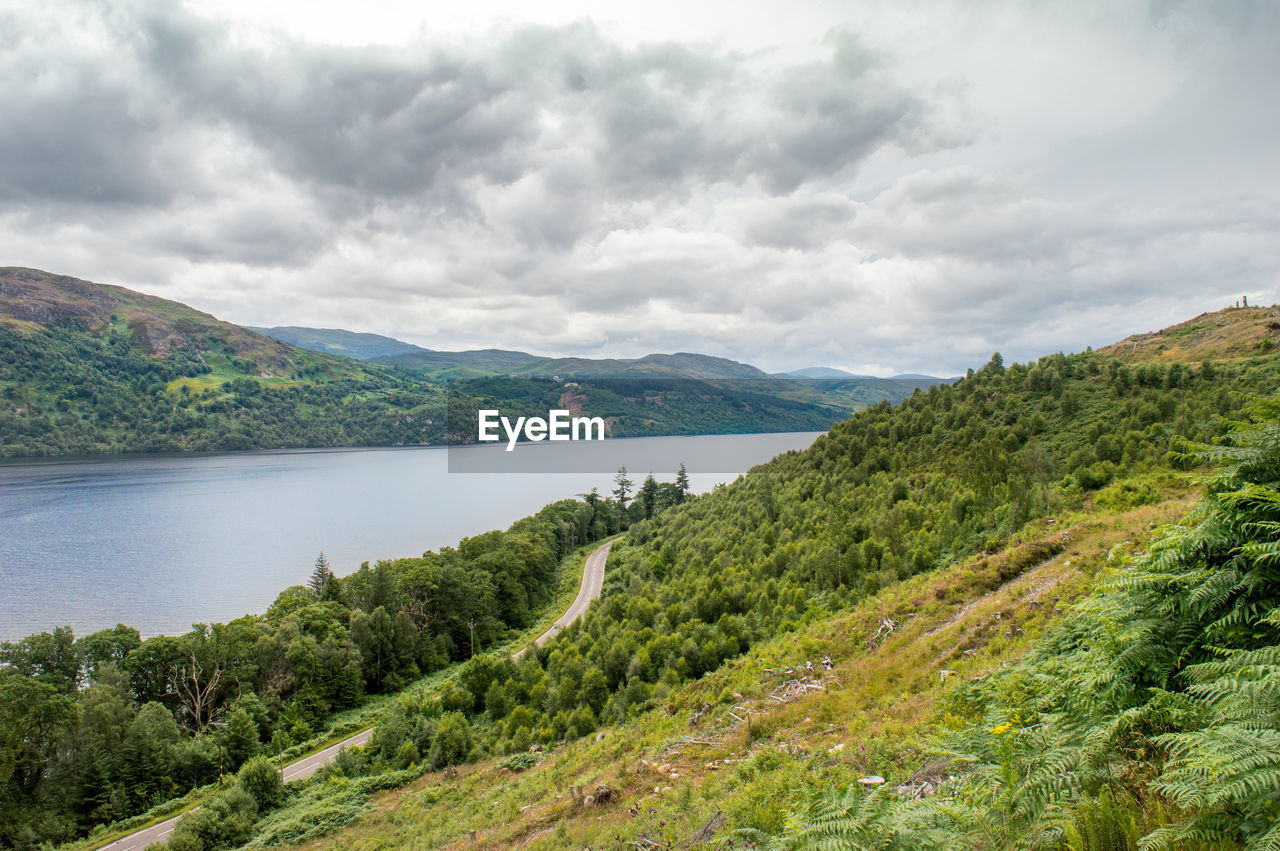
(682, 482)
(648, 495)
(622, 486)
(321, 576)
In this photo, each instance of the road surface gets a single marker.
(308, 766)
(592, 582)
(304, 767)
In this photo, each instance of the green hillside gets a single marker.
(982, 618)
(960, 622)
(493, 361)
(647, 405)
(89, 368)
(931, 553)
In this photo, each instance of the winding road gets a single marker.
(592, 582)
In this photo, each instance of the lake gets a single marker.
(160, 542)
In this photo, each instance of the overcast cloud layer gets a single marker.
(895, 188)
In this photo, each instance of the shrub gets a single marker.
(520, 761)
(260, 779)
(452, 741)
(223, 820)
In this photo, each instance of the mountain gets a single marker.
(470, 363)
(89, 368)
(492, 361)
(979, 618)
(819, 372)
(680, 364)
(480, 362)
(336, 341)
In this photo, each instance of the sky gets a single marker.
(884, 187)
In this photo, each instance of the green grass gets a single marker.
(157, 814)
(343, 725)
(877, 714)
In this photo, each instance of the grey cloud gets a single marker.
(382, 123)
(798, 222)
(391, 123)
(834, 114)
(77, 129)
(554, 190)
(253, 237)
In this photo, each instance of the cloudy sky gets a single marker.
(880, 186)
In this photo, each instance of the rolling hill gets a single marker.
(1231, 333)
(678, 365)
(961, 621)
(485, 362)
(980, 618)
(820, 372)
(90, 368)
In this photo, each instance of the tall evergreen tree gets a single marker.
(648, 495)
(321, 576)
(622, 486)
(682, 482)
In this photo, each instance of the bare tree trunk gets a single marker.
(196, 689)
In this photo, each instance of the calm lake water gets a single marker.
(161, 542)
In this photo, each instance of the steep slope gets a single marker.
(1229, 334)
(88, 368)
(950, 529)
(692, 767)
(31, 299)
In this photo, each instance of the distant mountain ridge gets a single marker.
(451, 364)
(475, 362)
(88, 368)
(820, 372)
(336, 341)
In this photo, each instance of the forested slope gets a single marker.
(958, 480)
(102, 727)
(904, 522)
(88, 368)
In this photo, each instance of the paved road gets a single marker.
(308, 766)
(592, 582)
(143, 838)
(304, 767)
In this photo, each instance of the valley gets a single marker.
(918, 632)
(91, 368)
